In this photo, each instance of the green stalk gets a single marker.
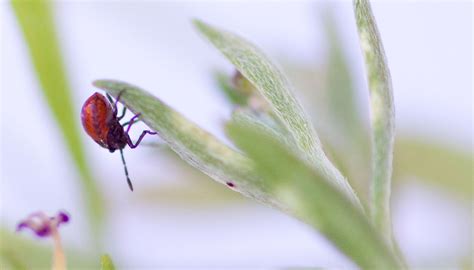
(36, 21)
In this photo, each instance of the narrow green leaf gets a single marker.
(345, 131)
(340, 88)
(36, 21)
(106, 263)
(311, 197)
(382, 115)
(276, 89)
(435, 164)
(193, 144)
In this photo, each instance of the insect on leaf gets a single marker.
(193, 144)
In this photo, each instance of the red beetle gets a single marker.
(101, 122)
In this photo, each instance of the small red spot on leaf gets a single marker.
(230, 184)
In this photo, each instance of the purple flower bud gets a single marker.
(62, 217)
(41, 224)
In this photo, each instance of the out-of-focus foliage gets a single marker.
(106, 263)
(18, 253)
(435, 164)
(36, 21)
(341, 103)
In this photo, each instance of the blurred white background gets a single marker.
(154, 45)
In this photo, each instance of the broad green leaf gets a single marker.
(36, 21)
(193, 144)
(382, 115)
(311, 197)
(276, 89)
(106, 263)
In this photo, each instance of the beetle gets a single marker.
(101, 122)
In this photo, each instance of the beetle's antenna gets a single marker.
(126, 170)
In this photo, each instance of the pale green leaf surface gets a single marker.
(382, 115)
(313, 199)
(276, 89)
(262, 123)
(193, 144)
(36, 22)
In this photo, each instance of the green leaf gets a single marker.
(435, 164)
(345, 130)
(106, 263)
(311, 197)
(36, 21)
(193, 144)
(382, 115)
(340, 89)
(276, 89)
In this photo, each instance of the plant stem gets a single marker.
(59, 260)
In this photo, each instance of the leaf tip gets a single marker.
(197, 22)
(200, 25)
(106, 84)
(101, 83)
(207, 30)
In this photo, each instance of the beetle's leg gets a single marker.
(131, 122)
(126, 171)
(123, 113)
(115, 102)
(145, 132)
(118, 98)
(111, 100)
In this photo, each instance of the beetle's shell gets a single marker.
(96, 115)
